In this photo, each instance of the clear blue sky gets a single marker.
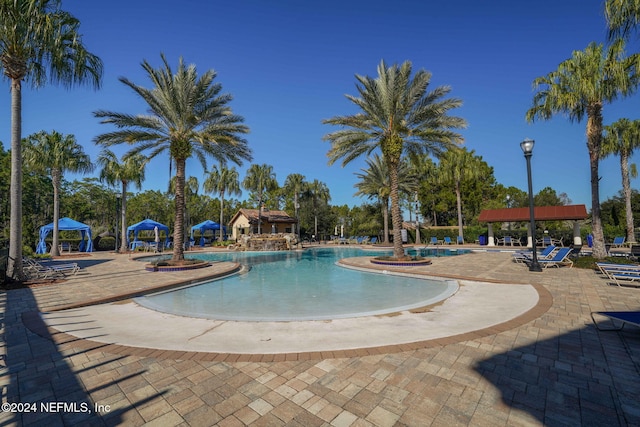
(289, 64)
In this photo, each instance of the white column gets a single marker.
(491, 241)
(577, 240)
(530, 242)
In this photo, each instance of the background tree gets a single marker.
(622, 138)
(398, 115)
(54, 154)
(622, 16)
(294, 185)
(188, 116)
(581, 86)
(318, 194)
(128, 170)
(222, 180)
(39, 42)
(259, 180)
(456, 167)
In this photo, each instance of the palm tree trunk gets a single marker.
(626, 191)
(14, 269)
(178, 228)
(385, 219)
(123, 219)
(221, 215)
(55, 179)
(594, 136)
(459, 204)
(396, 217)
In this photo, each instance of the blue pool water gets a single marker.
(307, 285)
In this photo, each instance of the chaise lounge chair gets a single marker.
(618, 242)
(434, 240)
(618, 272)
(624, 317)
(526, 256)
(560, 258)
(447, 240)
(37, 270)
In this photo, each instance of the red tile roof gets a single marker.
(540, 213)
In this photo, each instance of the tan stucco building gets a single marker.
(245, 221)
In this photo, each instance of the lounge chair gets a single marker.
(508, 240)
(624, 317)
(526, 256)
(561, 257)
(634, 252)
(460, 240)
(37, 270)
(373, 240)
(434, 240)
(447, 240)
(619, 272)
(618, 242)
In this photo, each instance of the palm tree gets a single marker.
(130, 170)
(456, 167)
(259, 180)
(622, 138)
(54, 154)
(317, 192)
(187, 117)
(295, 184)
(38, 43)
(580, 86)
(223, 181)
(399, 115)
(622, 17)
(374, 182)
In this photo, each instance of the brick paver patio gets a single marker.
(556, 369)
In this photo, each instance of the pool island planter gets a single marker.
(395, 262)
(172, 268)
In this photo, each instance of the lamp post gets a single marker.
(117, 220)
(508, 207)
(527, 148)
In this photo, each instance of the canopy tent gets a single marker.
(66, 224)
(147, 224)
(204, 226)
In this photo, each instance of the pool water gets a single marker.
(307, 285)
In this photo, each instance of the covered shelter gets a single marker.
(203, 227)
(540, 213)
(147, 225)
(67, 224)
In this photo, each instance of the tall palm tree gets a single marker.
(54, 153)
(188, 116)
(374, 182)
(622, 138)
(223, 181)
(623, 16)
(456, 167)
(260, 179)
(38, 43)
(399, 115)
(581, 86)
(318, 193)
(295, 184)
(129, 170)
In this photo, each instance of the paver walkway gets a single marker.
(554, 370)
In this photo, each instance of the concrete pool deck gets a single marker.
(548, 367)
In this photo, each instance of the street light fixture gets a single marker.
(527, 148)
(417, 221)
(118, 196)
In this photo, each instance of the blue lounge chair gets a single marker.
(447, 240)
(525, 256)
(624, 317)
(373, 240)
(561, 257)
(620, 272)
(618, 242)
(434, 240)
(460, 240)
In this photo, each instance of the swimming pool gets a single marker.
(307, 285)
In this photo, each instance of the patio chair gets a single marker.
(624, 317)
(447, 240)
(373, 240)
(547, 240)
(618, 242)
(38, 270)
(434, 240)
(460, 240)
(560, 258)
(634, 252)
(620, 272)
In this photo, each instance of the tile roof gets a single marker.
(541, 213)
